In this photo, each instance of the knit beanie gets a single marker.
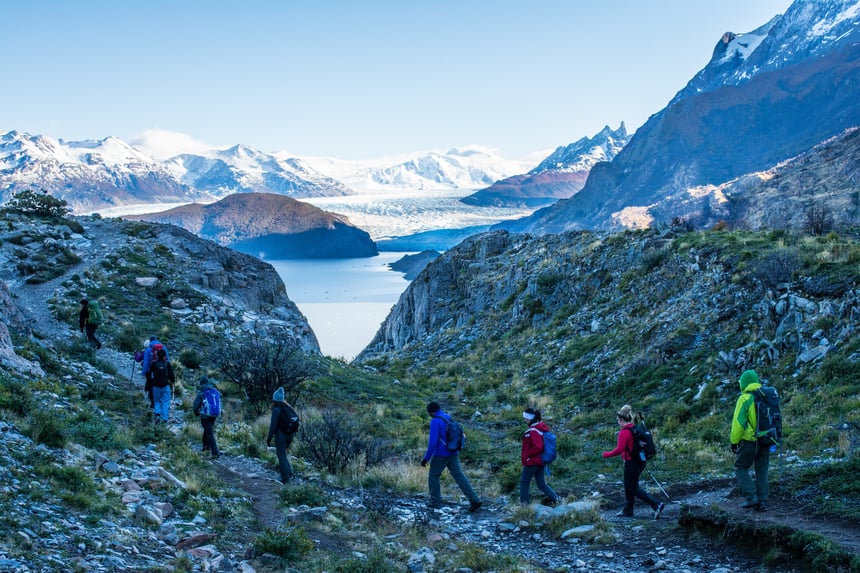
(747, 378)
(278, 396)
(204, 380)
(433, 407)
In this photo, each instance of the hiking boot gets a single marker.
(749, 504)
(659, 511)
(623, 514)
(432, 505)
(761, 506)
(475, 505)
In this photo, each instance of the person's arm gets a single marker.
(198, 401)
(532, 445)
(436, 425)
(273, 426)
(625, 438)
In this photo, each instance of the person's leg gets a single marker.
(209, 435)
(461, 479)
(91, 334)
(631, 484)
(641, 493)
(540, 480)
(437, 464)
(282, 443)
(156, 402)
(744, 460)
(525, 484)
(762, 464)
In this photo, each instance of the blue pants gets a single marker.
(161, 397)
(536, 472)
(437, 465)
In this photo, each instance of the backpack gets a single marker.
(138, 355)
(644, 447)
(211, 404)
(549, 452)
(288, 421)
(455, 437)
(768, 416)
(160, 376)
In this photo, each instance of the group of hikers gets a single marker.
(749, 450)
(159, 387)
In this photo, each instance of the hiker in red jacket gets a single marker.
(533, 466)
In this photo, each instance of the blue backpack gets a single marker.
(549, 452)
(211, 405)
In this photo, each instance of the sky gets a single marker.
(353, 79)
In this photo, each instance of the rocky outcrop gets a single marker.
(270, 226)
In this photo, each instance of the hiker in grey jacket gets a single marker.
(207, 420)
(282, 427)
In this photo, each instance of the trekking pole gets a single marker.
(131, 376)
(659, 485)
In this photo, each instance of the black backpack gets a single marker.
(768, 416)
(455, 437)
(288, 421)
(160, 377)
(644, 447)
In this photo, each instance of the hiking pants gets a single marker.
(632, 470)
(91, 336)
(282, 444)
(536, 472)
(752, 455)
(161, 396)
(437, 465)
(208, 423)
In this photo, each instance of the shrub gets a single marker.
(35, 203)
(45, 428)
(302, 494)
(287, 544)
(334, 440)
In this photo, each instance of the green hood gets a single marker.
(749, 381)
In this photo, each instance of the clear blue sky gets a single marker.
(355, 79)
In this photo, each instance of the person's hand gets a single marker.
(423, 463)
(734, 448)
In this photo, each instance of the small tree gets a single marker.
(38, 203)
(259, 365)
(818, 219)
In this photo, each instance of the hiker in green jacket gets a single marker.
(748, 452)
(89, 319)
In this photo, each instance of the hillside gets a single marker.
(573, 324)
(270, 226)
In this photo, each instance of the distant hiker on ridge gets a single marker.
(89, 319)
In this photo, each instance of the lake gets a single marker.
(344, 300)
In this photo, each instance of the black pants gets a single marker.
(91, 335)
(632, 469)
(209, 435)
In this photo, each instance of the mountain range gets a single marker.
(764, 97)
(559, 176)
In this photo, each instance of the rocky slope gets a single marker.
(270, 226)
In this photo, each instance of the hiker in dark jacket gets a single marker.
(206, 420)
(89, 319)
(282, 427)
(533, 466)
(441, 457)
(149, 355)
(163, 380)
(633, 467)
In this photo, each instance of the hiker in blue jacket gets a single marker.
(441, 457)
(149, 355)
(206, 420)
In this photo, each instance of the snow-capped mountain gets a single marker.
(808, 28)
(559, 176)
(758, 102)
(467, 168)
(87, 174)
(241, 169)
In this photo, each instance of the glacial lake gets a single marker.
(344, 300)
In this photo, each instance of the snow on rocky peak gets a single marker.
(584, 153)
(808, 28)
